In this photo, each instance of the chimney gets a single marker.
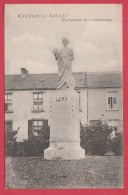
(24, 72)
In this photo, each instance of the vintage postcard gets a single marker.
(63, 96)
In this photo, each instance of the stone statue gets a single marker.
(64, 111)
(64, 58)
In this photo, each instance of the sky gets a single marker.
(32, 32)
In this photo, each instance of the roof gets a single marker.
(104, 80)
(49, 81)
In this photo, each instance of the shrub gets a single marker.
(10, 142)
(116, 144)
(94, 138)
(33, 147)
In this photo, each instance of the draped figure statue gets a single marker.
(64, 58)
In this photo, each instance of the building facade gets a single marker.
(27, 100)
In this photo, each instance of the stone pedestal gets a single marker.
(64, 126)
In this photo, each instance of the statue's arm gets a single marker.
(56, 56)
(56, 53)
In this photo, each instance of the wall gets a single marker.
(93, 105)
(97, 105)
(22, 106)
(83, 106)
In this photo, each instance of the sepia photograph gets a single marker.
(63, 96)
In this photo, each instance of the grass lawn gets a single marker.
(91, 172)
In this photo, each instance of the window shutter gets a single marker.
(45, 124)
(6, 106)
(30, 128)
(45, 128)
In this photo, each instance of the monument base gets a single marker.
(64, 150)
(64, 126)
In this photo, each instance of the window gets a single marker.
(112, 101)
(113, 123)
(8, 125)
(37, 127)
(38, 102)
(94, 122)
(8, 102)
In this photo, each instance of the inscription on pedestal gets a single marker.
(61, 99)
(64, 117)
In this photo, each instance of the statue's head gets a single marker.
(65, 42)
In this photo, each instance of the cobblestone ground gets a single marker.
(92, 172)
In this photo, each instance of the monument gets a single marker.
(64, 111)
